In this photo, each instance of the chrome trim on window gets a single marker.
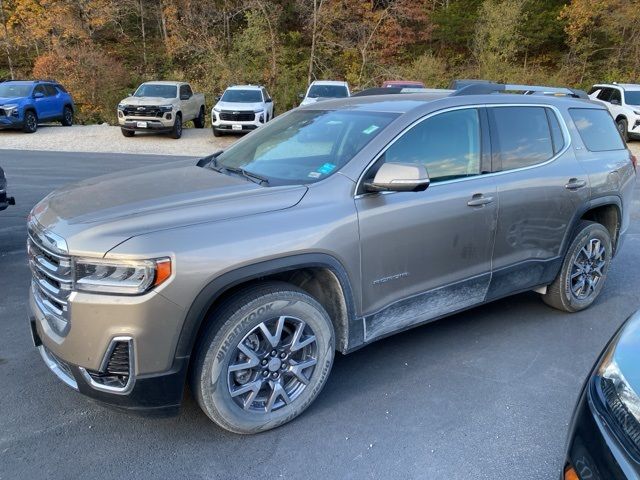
(103, 367)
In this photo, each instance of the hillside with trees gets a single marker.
(101, 49)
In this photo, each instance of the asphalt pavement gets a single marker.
(486, 394)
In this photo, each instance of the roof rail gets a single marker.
(397, 90)
(492, 87)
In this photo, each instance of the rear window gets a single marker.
(597, 130)
(521, 137)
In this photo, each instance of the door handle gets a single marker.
(575, 184)
(479, 200)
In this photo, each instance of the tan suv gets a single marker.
(328, 228)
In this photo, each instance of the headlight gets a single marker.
(122, 106)
(637, 112)
(10, 108)
(125, 277)
(216, 109)
(260, 110)
(609, 370)
(165, 108)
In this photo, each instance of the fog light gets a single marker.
(168, 116)
(261, 118)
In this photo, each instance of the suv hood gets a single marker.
(97, 214)
(239, 107)
(8, 100)
(147, 101)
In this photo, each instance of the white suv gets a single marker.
(241, 108)
(325, 89)
(623, 102)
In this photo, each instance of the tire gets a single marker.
(199, 121)
(67, 117)
(623, 128)
(176, 132)
(30, 122)
(216, 133)
(240, 321)
(564, 293)
(127, 133)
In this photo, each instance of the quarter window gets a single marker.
(448, 145)
(605, 94)
(521, 137)
(597, 129)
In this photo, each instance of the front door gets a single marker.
(426, 254)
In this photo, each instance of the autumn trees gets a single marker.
(102, 48)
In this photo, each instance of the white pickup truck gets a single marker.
(161, 107)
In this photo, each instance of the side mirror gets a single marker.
(615, 102)
(185, 96)
(131, 94)
(218, 97)
(38, 95)
(268, 100)
(301, 96)
(399, 177)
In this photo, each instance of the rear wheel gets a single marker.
(176, 132)
(265, 357)
(584, 269)
(127, 133)
(199, 121)
(623, 128)
(30, 122)
(67, 117)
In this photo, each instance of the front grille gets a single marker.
(51, 280)
(143, 111)
(237, 116)
(119, 361)
(2, 112)
(626, 421)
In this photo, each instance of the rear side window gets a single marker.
(521, 137)
(605, 94)
(597, 130)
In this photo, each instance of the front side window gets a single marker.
(632, 98)
(328, 91)
(156, 90)
(615, 96)
(521, 137)
(597, 129)
(185, 91)
(605, 94)
(242, 96)
(51, 90)
(304, 146)
(447, 144)
(40, 89)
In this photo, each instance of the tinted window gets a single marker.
(632, 98)
(597, 129)
(615, 96)
(327, 91)
(242, 96)
(448, 145)
(51, 90)
(521, 136)
(40, 89)
(556, 131)
(156, 90)
(605, 94)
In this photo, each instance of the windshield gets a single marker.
(632, 98)
(14, 90)
(242, 96)
(327, 91)
(155, 90)
(305, 146)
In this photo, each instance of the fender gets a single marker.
(217, 287)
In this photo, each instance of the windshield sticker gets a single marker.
(327, 168)
(314, 175)
(369, 130)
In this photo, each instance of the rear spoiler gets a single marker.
(492, 87)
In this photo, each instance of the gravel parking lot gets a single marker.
(486, 394)
(108, 139)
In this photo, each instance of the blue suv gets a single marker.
(25, 103)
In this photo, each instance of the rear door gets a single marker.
(427, 254)
(540, 187)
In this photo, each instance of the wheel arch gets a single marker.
(320, 275)
(606, 211)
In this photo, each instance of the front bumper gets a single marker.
(237, 126)
(10, 122)
(150, 324)
(595, 450)
(164, 123)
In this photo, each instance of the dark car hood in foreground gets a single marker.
(96, 214)
(627, 352)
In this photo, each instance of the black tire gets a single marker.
(176, 132)
(30, 124)
(67, 116)
(216, 133)
(238, 321)
(623, 128)
(199, 121)
(127, 133)
(561, 294)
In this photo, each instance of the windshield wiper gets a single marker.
(248, 175)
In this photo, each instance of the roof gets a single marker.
(329, 82)
(624, 86)
(164, 82)
(244, 87)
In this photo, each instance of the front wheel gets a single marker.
(127, 133)
(216, 133)
(176, 132)
(264, 359)
(30, 122)
(584, 269)
(623, 128)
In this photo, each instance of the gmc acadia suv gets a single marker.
(330, 227)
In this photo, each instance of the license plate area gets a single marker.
(236, 127)
(141, 124)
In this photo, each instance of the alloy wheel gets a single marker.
(587, 270)
(272, 365)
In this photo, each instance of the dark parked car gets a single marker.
(5, 200)
(24, 104)
(604, 436)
